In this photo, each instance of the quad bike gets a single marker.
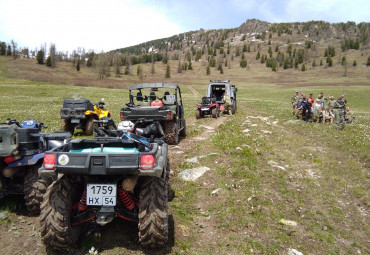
(157, 101)
(208, 106)
(22, 150)
(116, 174)
(224, 94)
(81, 113)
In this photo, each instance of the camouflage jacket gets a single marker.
(295, 99)
(331, 103)
(340, 105)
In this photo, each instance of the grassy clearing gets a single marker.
(323, 187)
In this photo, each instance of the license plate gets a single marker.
(205, 109)
(101, 194)
(75, 121)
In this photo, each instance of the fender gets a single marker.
(27, 160)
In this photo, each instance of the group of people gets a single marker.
(321, 109)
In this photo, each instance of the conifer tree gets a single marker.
(2, 48)
(208, 70)
(9, 51)
(48, 61)
(243, 61)
(168, 72)
(258, 55)
(179, 67)
(78, 66)
(40, 57)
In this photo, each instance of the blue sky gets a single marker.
(111, 24)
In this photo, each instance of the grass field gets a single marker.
(308, 173)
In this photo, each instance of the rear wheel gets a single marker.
(214, 112)
(67, 126)
(34, 188)
(233, 107)
(55, 216)
(153, 211)
(89, 127)
(171, 133)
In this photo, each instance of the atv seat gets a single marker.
(152, 96)
(139, 96)
(206, 100)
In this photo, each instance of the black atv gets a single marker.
(157, 101)
(22, 150)
(113, 175)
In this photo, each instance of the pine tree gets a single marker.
(168, 72)
(165, 58)
(9, 51)
(243, 61)
(354, 63)
(40, 57)
(127, 69)
(258, 55)
(303, 68)
(237, 52)
(2, 48)
(179, 67)
(208, 70)
(78, 66)
(270, 52)
(48, 61)
(153, 67)
(329, 60)
(190, 66)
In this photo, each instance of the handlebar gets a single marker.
(10, 121)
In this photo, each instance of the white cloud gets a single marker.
(98, 25)
(328, 10)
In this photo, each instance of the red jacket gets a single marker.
(310, 100)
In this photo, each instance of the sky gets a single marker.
(104, 25)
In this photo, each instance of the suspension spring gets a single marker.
(82, 206)
(125, 198)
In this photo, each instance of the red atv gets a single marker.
(209, 106)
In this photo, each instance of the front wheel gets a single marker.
(197, 114)
(214, 112)
(55, 217)
(89, 127)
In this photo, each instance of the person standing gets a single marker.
(307, 110)
(340, 112)
(349, 116)
(294, 101)
(331, 103)
(310, 99)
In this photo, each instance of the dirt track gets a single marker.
(23, 237)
